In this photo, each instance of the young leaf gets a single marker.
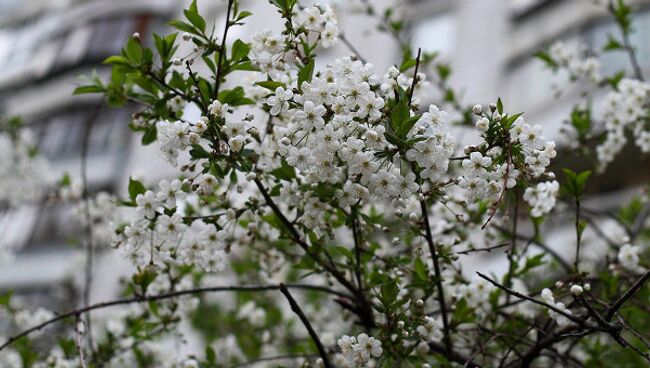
(192, 14)
(547, 59)
(135, 187)
(150, 135)
(284, 172)
(306, 72)
(240, 50)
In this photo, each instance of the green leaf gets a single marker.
(271, 85)
(462, 313)
(234, 97)
(244, 65)
(284, 172)
(628, 213)
(306, 72)
(5, 299)
(337, 250)
(574, 183)
(192, 14)
(274, 221)
(135, 187)
(389, 291)
(407, 64)
(444, 71)
(240, 50)
(406, 126)
(116, 60)
(547, 59)
(242, 15)
(150, 135)
(613, 80)
(144, 277)
(400, 113)
(500, 106)
(612, 44)
(198, 152)
(420, 270)
(507, 121)
(182, 26)
(581, 121)
(622, 13)
(532, 262)
(88, 89)
(133, 51)
(210, 356)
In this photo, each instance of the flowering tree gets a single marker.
(335, 214)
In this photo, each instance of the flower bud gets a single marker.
(477, 109)
(576, 290)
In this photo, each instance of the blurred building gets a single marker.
(45, 45)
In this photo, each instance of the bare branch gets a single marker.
(174, 294)
(314, 336)
(628, 294)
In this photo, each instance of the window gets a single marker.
(61, 135)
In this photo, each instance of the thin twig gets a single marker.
(628, 294)
(314, 336)
(540, 245)
(88, 225)
(415, 76)
(573, 318)
(365, 311)
(222, 50)
(356, 234)
(486, 249)
(174, 294)
(627, 45)
(196, 84)
(429, 238)
(354, 50)
(578, 236)
(438, 276)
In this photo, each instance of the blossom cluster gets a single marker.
(272, 53)
(157, 236)
(542, 197)
(562, 320)
(628, 257)
(625, 110)
(23, 173)
(358, 351)
(337, 135)
(578, 67)
(487, 175)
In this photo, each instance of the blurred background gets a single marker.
(46, 45)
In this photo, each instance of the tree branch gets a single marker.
(222, 49)
(628, 294)
(314, 336)
(573, 318)
(174, 294)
